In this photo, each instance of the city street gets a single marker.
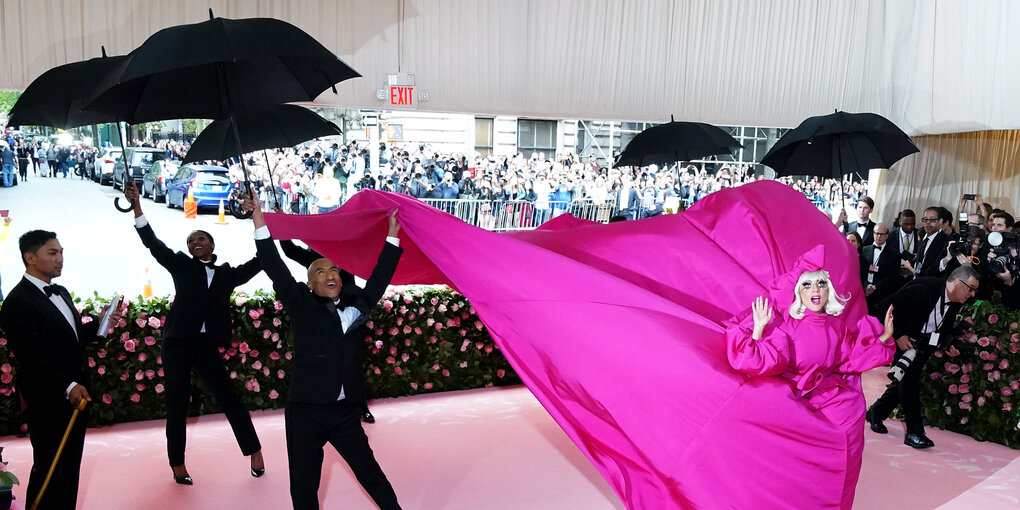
(102, 252)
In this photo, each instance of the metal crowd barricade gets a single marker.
(502, 215)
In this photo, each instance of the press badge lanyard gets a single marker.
(933, 340)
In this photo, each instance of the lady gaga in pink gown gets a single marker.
(625, 333)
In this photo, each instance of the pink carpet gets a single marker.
(494, 448)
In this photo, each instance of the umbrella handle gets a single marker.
(129, 208)
(56, 458)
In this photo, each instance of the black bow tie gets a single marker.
(346, 300)
(52, 289)
(877, 247)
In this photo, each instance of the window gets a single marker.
(483, 136)
(535, 136)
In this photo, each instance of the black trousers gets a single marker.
(45, 431)
(180, 357)
(906, 392)
(309, 428)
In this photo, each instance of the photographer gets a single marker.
(998, 262)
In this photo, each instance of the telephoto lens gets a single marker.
(900, 367)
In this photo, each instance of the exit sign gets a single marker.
(402, 95)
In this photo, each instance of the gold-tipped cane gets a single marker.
(56, 458)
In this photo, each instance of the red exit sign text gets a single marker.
(401, 95)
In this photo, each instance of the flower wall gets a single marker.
(419, 340)
(973, 387)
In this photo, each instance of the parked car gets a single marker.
(102, 166)
(207, 183)
(154, 181)
(139, 159)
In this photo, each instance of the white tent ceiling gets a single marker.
(930, 66)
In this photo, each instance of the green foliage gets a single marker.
(420, 340)
(7, 100)
(972, 387)
(189, 126)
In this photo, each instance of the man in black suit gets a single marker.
(924, 317)
(328, 383)
(197, 324)
(46, 336)
(933, 245)
(627, 199)
(878, 260)
(904, 238)
(864, 227)
(306, 257)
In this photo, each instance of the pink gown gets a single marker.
(619, 330)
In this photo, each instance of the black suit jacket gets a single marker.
(932, 257)
(913, 304)
(888, 263)
(325, 358)
(896, 241)
(197, 301)
(869, 231)
(48, 354)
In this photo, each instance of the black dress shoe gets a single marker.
(876, 425)
(184, 480)
(919, 441)
(367, 416)
(258, 472)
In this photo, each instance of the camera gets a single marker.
(898, 369)
(963, 245)
(969, 196)
(1001, 258)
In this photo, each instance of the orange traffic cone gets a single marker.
(222, 220)
(147, 288)
(190, 206)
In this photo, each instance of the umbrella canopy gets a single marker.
(676, 141)
(57, 96)
(837, 144)
(213, 69)
(264, 128)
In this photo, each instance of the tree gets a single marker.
(7, 100)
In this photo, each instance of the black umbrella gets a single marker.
(57, 96)
(219, 67)
(676, 141)
(837, 144)
(264, 128)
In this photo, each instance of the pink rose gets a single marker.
(256, 324)
(252, 385)
(149, 374)
(101, 370)
(488, 349)
(479, 325)
(274, 355)
(1004, 364)
(140, 387)
(154, 323)
(287, 355)
(404, 357)
(500, 373)
(393, 351)
(952, 389)
(1006, 391)
(964, 378)
(6, 367)
(140, 322)
(159, 388)
(107, 399)
(446, 373)
(952, 368)
(101, 353)
(92, 362)
(968, 397)
(275, 337)
(150, 341)
(243, 347)
(428, 386)
(392, 331)
(430, 322)
(454, 307)
(981, 401)
(280, 374)
(277, 305)
(463, 364)
(442, 308)
(391, 360)
(435, 367)
(992, 319)
(439, 326)
(139, 375)
(377, 371)
(964, 388)
(266, 334)
(136, 398)
(964, 420)
(273, 395)
(479, 345)
(407, 329)
(1007, 407)
(398, 370)
(434, 301)
(254, 314)
(233, 374)
(277, 322)
(253, 353)
(414, 386)
(407, 342)
(983, 341)
(160, 370)
(257, 365)
(6, 378)
(417, 330)
(129, 345)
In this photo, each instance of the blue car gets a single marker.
(207, 183)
